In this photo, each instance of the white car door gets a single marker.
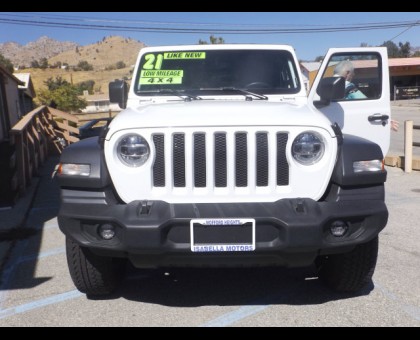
(365, 111)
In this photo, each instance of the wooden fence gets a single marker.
(409, 162)
(41, 132)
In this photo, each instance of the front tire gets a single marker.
(350, 272)
(92, 274)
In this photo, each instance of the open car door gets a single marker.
(365, 109)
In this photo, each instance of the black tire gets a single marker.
(92, 274)
(350, 272)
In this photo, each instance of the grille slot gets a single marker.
(262, 159)
(200, 176)
(220, 178)
(282, 166)
(178, 152)
(241, 159)
(159, 165)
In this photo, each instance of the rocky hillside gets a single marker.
(103, 54)
(23, 55)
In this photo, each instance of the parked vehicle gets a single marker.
(219, 158)
(93, 128)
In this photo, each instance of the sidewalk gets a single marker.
(12, 220)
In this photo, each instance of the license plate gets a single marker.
(222, 235)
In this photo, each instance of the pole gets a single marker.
(408, 145)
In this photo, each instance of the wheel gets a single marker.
(92, 274)
(258, 84)
(351, 271)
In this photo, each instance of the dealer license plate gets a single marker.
(222, 235)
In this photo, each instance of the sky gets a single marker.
(307, 45)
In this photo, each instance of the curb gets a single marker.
(398, 161)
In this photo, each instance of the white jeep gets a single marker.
(220, 158)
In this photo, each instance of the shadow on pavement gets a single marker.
(22, 260)
(226, 287)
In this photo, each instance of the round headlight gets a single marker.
(308, 148)
(133, 150)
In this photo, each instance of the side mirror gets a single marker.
(331, 88)
(118, 93)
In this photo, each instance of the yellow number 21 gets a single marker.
(150, 60)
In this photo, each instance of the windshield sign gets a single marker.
(209, 72)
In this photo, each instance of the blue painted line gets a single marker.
(235, 316)
(413, 311)
(9, 271)
(255, 307)
(41, 255)
(39, 303)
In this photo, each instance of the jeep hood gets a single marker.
(211, 113)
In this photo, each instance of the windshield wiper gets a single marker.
(186, 96)
(246, 93)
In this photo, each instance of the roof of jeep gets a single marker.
(218, 47)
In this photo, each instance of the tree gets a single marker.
(213, 40)
(84, 66)
(53, 84)
(416, 54)
(405, 49)
(58, 64)
(397, 51)
(86, 85)
(43, 63)
(65, 98)
(34, 64)
(120, 64)
(319, 58)
(6, 63)
(393, 50)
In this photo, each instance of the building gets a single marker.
(26, 92)
(309, 71)
(99, 103)
(10, 111)
(10, 114)
(404, 77)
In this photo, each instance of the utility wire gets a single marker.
(91, 19)
(105, 27)
(417, 22)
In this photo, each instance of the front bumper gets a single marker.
(289, 232)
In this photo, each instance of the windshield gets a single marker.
(204, 72)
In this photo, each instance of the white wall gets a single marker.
(12, 98)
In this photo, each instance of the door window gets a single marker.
(362, 72)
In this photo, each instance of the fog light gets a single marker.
(107, 231)
(339, 228)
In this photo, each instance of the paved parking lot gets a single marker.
(36, 289)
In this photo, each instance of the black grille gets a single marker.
(159, 166)
(262, 159)
(178, 153)
(241, 160)
(220, 174)
(282, 166)
(200, 160)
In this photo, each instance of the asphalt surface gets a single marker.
(36, 289)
